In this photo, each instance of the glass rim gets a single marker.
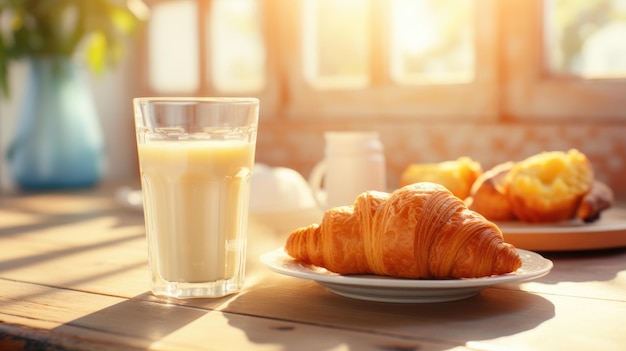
(198, 99)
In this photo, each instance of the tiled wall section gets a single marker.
(490, 144)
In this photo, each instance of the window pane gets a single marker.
(432, 41)
(336, 47)
(173, 47)
(236, 46)
(586, 38)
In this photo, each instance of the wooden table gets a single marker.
(74, 276)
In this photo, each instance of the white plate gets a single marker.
(607, 232)
(388, 289)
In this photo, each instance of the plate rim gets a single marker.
(544, 229)
(270, 259)
(608, 232)
(611, 220)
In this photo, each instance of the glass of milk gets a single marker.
(195, 160)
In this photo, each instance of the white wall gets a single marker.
(113, 95)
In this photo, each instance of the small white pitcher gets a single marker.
(354, 162)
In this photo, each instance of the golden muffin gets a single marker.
(549, 186)
(456, 175)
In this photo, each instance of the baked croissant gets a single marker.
(420, 231)
(598, 199)
(488, 194)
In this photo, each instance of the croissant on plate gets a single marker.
(488, 194)
(420, 231)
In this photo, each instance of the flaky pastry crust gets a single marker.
(420, 231)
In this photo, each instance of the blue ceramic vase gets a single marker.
(58, 141)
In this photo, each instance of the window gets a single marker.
(236, 49)
(556, 59)
(586, 38)
(173, 49)
(360, 59)
(432, 42)
(393, 73)
(218, 47)
(335, 43)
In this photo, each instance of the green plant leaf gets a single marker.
(61, 27)
(97, 52)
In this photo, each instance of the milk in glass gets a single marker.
(197, 197)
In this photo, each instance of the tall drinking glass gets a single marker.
(195, 159)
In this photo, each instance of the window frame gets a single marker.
(531, 93)
(269, 96)
(471, 101)
(511, 82)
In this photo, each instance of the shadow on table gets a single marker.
(580, 266)
(316, 319)
(134, 324)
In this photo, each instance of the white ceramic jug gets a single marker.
(354, 162)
